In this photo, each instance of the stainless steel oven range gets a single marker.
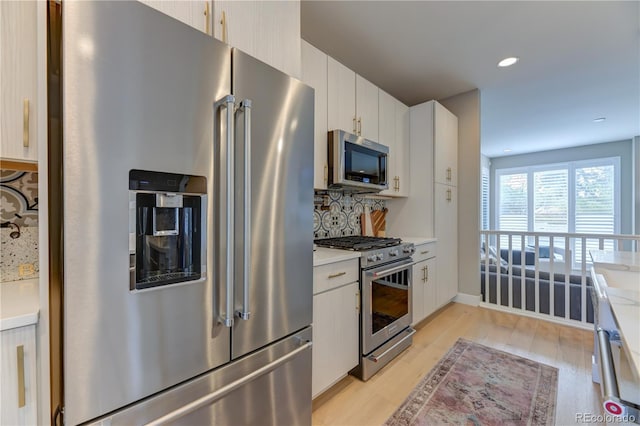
(385, 291)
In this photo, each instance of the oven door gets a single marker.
(386, 303)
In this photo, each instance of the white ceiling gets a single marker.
(579, 60)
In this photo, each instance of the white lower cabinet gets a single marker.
(424, 282)
(335, 325)
(446, 225)
(18, 390)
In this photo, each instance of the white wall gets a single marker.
(466, 107)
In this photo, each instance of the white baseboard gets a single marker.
(544, 317)
(467, 299)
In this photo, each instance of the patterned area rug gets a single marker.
(477, 385)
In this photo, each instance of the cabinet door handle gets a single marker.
(355, 127)
(426, 268)
(423, 274)
(448, 195)
(359, 126)
(398, 183)
(448, 173)
(25, 123)
(223, 22)
(424, 252)
(358, 301)
(21, 390)
(207, 18)
(326, 174)
(339, 274)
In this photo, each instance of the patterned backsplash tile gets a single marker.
(336, 214)
(19, 197)
(19, 241)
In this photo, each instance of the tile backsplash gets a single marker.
(18, 241)
(336, 214)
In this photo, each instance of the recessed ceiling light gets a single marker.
(507, 62)
(599, 119)
(506, 151)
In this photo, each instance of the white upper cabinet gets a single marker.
(18, 64)
(446, 147)
(387, 136)
(314, 73)
(267, 30)
(367, 108)
(196, 13)
(352, 101)
(401, 148)
(341, 92)
(393, 125)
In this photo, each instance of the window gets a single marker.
(596, 204)
(513, 197)
(484, 199)
(576, 197)
(551, 200)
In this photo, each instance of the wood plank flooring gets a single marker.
(352, 402)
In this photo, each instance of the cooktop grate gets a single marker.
(358, 242)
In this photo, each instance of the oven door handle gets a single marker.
(610, 390)
(385, 272)
(376, 358)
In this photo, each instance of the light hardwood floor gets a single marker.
(352, 402)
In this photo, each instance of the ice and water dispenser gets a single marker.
(167, 228)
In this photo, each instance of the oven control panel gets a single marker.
(381, 256)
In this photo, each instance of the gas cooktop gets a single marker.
(358, 242)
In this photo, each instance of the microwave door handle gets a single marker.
(227, 176)
(245, 107)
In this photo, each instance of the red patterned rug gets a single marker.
(477, 385)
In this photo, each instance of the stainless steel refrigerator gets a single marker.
(181, 171)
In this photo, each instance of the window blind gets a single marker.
(484, 208)
(576, 197)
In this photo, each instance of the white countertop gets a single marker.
(19, 303)
(621, 271)
(418, 240)
(625, 305)
(625, 260)
(323, 256)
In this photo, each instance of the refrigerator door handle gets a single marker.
(245, 107)
(227, 175)
(225, 390)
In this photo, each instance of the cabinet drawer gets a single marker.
(334, 275)
(425, 251)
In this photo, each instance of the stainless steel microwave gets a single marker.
(356, 164)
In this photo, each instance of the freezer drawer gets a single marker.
(269, 387)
